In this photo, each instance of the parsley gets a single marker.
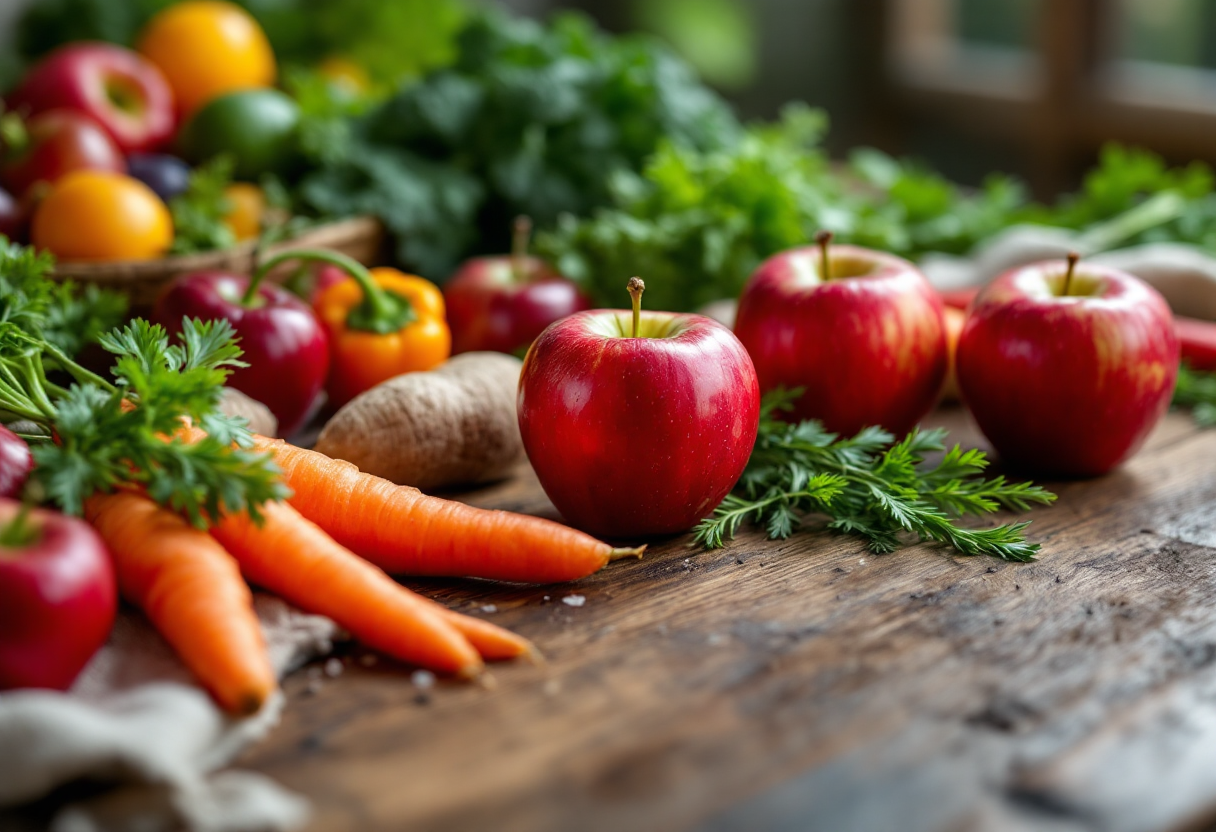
(199, 213)
(695, 223)
(531, 119)
(122, 434)
(1197, 390)
(867, 486)
(67, 316)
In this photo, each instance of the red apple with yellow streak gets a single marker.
(860, 331)
(1067, 367)
(637, 426)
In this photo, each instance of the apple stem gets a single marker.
(1073, 257)
(520, 234)
(824, 240)
(636, 287)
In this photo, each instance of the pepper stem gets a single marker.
(521, 233)
(380, 311)
(824, 239)
(1073, 257)
(635, 287)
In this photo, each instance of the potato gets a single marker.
(261, 420)
(454, 425)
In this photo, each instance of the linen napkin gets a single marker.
(136, 719)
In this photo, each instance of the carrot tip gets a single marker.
(534, 656)
(619, 554)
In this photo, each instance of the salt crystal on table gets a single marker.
(422, 679)
(574, 600)
(489, 608)
(333, 668)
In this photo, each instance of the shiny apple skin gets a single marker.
(637, 437)
(283, 342)
(867, 350)
(81, 77)
(490, 307)
(1068, 386)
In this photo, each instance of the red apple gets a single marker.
(502, 303)
(120, 90)
(50, 145)
(1067, 368)
(867, 342)
(643, 434)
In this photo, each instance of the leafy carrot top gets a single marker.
(112, 434)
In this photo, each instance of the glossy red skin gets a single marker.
(1067, 386)
(79, 77)
(867, 350)
(57, 601)
(14, 218)
(16, 462)
(284, 344)
(60, 141)
(491, 307)
(637, 437)
(1197, 340)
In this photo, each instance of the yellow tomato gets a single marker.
(99, 215)
(206, 48)
(248, 204)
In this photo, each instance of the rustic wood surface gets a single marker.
(810, 685)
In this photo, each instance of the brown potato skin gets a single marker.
(454, 425)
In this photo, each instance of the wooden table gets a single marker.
(810, 685)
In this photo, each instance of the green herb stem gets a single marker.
(869, 487)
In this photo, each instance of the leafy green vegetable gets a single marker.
(61, 313)
(530, 120)
(869, 487)
(1197, 390)
(103, 444)
(199, 212)
(695, 224)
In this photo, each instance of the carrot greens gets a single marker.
(869, 487)
(121, 433)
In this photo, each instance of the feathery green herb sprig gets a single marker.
(870, 487)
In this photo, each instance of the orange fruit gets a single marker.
(100, 215)
(206, 48)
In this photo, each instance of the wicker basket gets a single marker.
(141, 280)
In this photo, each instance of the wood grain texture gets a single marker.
(808, 684)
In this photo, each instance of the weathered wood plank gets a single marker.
(810, 685)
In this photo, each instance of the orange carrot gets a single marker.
(295, 559)
(192, 592)
(404, 531)
(493, 642)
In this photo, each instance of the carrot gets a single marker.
(493, 642)
(404, 531)
(192, 592)
(295, 559)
